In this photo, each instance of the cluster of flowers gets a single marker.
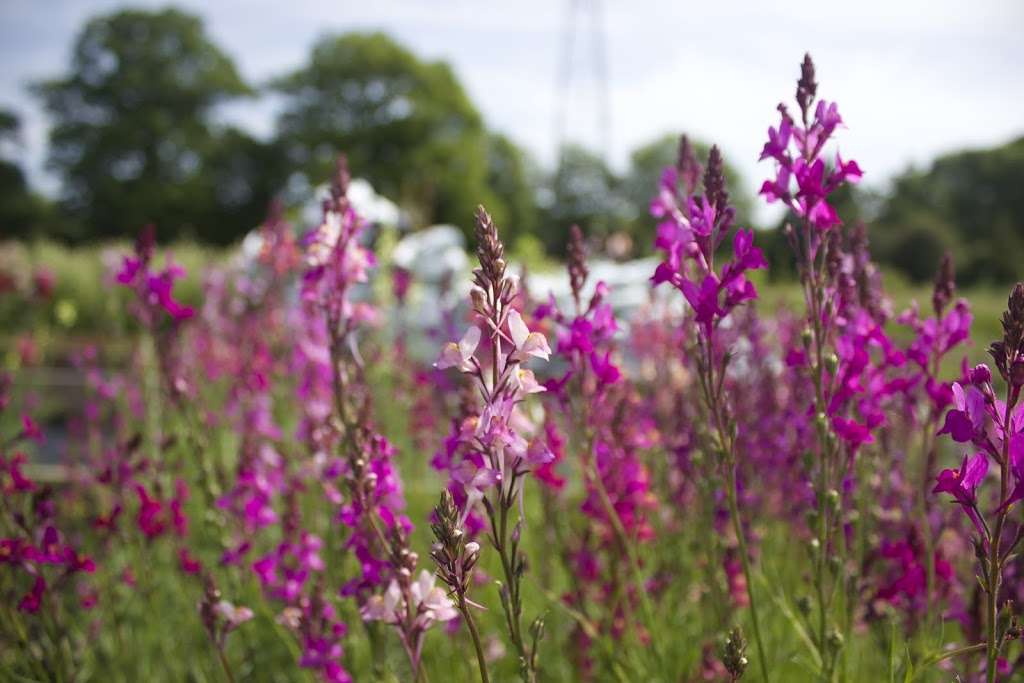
(39, 555)
(243, 444)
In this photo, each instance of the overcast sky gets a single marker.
(913, 79)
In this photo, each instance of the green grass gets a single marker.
(152, 632)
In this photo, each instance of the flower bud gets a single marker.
(835, 640)
(981, 375)
(832, 498)
(831, 363)
(805, 337)
(803, 605)
(476, 295)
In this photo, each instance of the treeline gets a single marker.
(138, 136)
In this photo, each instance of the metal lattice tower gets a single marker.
(584, 18)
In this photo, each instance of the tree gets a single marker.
(641, 182)
(584, 192)
(405, 124)
(969, 202)
(132, 136)
(21, 212)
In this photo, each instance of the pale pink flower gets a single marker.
(527, 343)
(459, 355)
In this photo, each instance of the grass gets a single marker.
(154, 633)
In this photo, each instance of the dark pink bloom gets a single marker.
(605, 371)
(966, 422)
(30, 430)
(963, 483)
(33, 600)
(150, 517)
(188, 563)
(852, 432)
(18, 483)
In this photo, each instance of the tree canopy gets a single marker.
(22, 213)
(406, 124)
(132, 135)
(135, 139)
(969, 202)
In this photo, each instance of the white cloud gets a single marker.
(913, 79)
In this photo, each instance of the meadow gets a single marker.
(241, 469)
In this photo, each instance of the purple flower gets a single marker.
(966, 422)
(963, 483)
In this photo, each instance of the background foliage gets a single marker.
(136, 138)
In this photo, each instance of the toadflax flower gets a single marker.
(963, 484)
(511, 445)
(428, 602)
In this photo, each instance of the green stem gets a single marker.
(734, 513)
(995, 561)
(712, 389)
(512, 606)
(475, 635)
(224, 663)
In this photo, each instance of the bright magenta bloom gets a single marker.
(963, 483)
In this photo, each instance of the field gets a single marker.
(270, 464)
(151, 614)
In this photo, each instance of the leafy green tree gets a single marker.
(405, 124)
(132, 135)
(584, 191)
(970, 202)
(22, 213)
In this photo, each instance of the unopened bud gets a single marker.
(831, 363)
(805, 337)
(476, 295)
(981, 375)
